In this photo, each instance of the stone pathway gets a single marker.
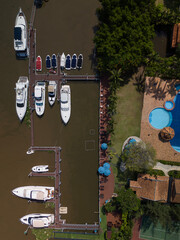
(166, 168)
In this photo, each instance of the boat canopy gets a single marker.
(37, 92)
(37, 223)
(39, 195)
(17, 33)
(50, 88)
(64, 97)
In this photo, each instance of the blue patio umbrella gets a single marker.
(104, 146)
(101, 170)
(107, 172)
(106, 165)
(132, 140)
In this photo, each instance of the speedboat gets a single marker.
(38, 64)
(68, 62)
(74, 61)
(65, 95)
(54, 61)
(52, 92)
(40, 98)
(63, 61)
(48, 62)
(40, 168)
(20, 32)
(21, 96)
(80, 61)
(39, 193)
(38, 220)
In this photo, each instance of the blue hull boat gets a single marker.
(74, 61)
(54, 61)
(68, 62)
(48, 62)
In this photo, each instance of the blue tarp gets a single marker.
(104, 146)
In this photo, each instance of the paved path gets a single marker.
(166, 168)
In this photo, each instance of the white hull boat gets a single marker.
(63, 61)
(52, 88)
(40, 168)
(38, 220)
(21, 96)
(39, 193)
(65, 95)
(40, 98)
(20, 32)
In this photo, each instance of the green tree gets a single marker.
(138, 157)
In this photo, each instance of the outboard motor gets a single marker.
(38, 3)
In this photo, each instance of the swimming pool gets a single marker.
(160, 118)
(169, 105)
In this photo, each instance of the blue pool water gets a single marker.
(160, 118)
(169, 105)
(175, 142)
(177, 87)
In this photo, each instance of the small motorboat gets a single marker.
(48, 62)
(38, 220)
(63, 61)
(39, 95)
(40, 168)
(21, 96)
(68, 62)
(74, 61)
(39, 193)
(52, 88)
(54, 61)
(80, 61)
(65, 103)
(20, 32)
(38, 64)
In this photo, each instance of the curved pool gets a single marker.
(169, 105)
(160, 118)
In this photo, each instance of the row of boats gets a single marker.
(39, 98)
(66, 62)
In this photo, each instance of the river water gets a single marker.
(62, 26)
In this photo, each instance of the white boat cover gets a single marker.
(37, 223)
(38, 195)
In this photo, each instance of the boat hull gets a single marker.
(38, 220)
(40, 168)
(52, 89)
(65, 105)
(40, 98)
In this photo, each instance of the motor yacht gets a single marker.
(52, 88)
(40, 168)
(39, 193)
(65, 105)
(21, 96)
(63, 61)
(20, 32)
(38, 220)
(39, 95)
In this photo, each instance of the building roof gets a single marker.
(151, 188)
(175, 191)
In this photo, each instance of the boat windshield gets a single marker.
(51, 94)
(20, 105)
(39, 104)
(65, 109)
(17, 33)
(38, 98)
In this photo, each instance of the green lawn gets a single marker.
(127, 119)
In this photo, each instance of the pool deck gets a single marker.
(157, 92)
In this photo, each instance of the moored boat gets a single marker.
(21, 96)
(39, 193)
(68, 62)
(38, 220)
(74, 61)
(80, 61)
(52, 88)
(40, 168)
(38, 64)
(20, 32)
(65, 104)
(63, 61)
(48, 62)
(39, 95)
(54, 61)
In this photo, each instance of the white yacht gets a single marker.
(63, 61)
(38, 220)
(52, 88)
(39, 95)
(65, 95)
(40, 168)
(21, 96)
(20, 32)
(40, 193)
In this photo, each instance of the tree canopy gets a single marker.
(139, 157)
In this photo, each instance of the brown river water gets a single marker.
(62, 26)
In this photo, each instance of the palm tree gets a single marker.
(115, 77)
